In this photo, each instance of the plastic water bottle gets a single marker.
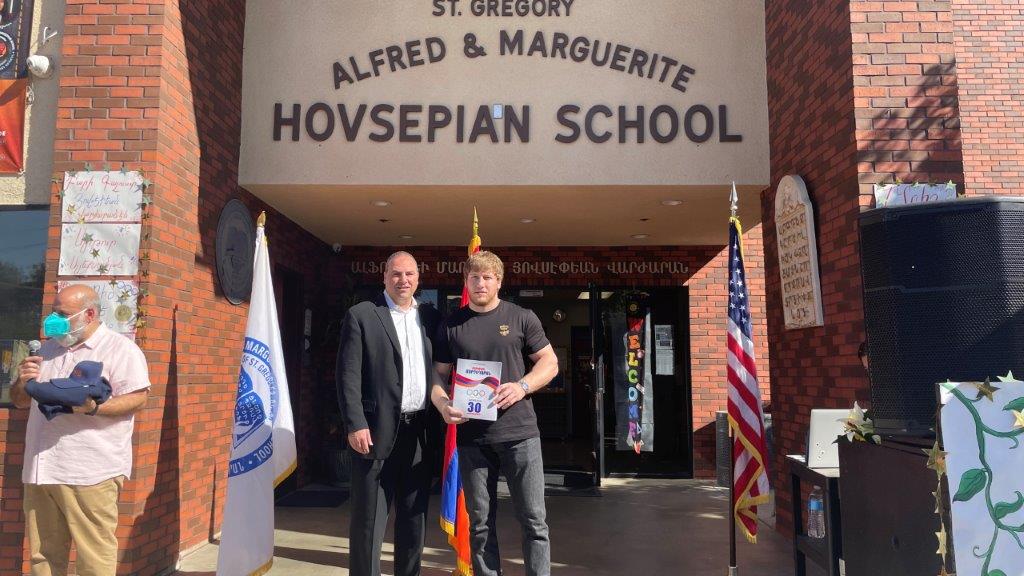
(815, 514)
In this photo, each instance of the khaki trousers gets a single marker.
(56, 514)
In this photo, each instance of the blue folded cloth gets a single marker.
(60, 395)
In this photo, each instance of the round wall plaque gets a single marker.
(235, 246)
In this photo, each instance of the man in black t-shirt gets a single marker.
(490, 329)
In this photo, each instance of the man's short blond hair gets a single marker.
(485, 261)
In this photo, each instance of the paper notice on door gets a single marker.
(476, 382)
(664, 350)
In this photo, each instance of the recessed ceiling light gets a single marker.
(527, 220)
(639, 236)
(671, 202)
(381, 203)
(406, 236)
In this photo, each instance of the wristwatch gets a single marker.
(524, 386)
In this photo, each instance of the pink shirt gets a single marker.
(79, 449)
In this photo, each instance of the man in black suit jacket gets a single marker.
(383, 371)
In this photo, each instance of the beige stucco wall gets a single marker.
(33, 186)
(290, 49)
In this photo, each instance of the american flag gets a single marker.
(749, 456)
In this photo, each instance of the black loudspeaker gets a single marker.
(943, 299)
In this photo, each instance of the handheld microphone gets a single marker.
(33, 349)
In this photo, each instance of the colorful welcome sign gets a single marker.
(636, 315)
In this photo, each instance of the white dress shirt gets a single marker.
(414, 368)
(78, 449)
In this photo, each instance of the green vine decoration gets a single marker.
(979, 480)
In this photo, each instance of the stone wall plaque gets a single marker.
(235, 247)
(798, 255)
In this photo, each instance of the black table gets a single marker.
(826, 551)
(889, 520)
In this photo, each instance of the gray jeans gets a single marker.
(521, 464)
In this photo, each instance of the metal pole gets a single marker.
(733, 569)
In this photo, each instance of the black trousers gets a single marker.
(403, 478)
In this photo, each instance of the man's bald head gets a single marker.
(76, 298)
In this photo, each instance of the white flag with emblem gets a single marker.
(263, 437)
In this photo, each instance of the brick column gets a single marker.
(126, 101)
(865, 95)
(811, 119)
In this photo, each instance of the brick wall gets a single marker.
(811, 124)
(12, 523)
(200, 121)
(107, 113)
(866, 95)
(990, 70)
(905, 94)
(705, 276)
(142, 90)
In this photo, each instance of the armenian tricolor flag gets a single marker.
(454, 518)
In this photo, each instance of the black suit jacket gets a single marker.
(369, 373)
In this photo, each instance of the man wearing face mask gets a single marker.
(75, 464)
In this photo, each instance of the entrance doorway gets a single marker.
(566, 407)
(583, 414)
(663, 372)
(289, 292)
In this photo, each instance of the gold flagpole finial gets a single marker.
(476, 227)
(262, 220)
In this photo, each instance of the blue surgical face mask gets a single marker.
(57, 325)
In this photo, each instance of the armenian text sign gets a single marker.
(102, 196)
(99, 249)
(900, 194)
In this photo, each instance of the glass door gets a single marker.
(644, 408)
(598, 377)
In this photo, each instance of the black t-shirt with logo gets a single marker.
(503, 335)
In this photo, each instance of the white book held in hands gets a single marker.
(476, 382)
